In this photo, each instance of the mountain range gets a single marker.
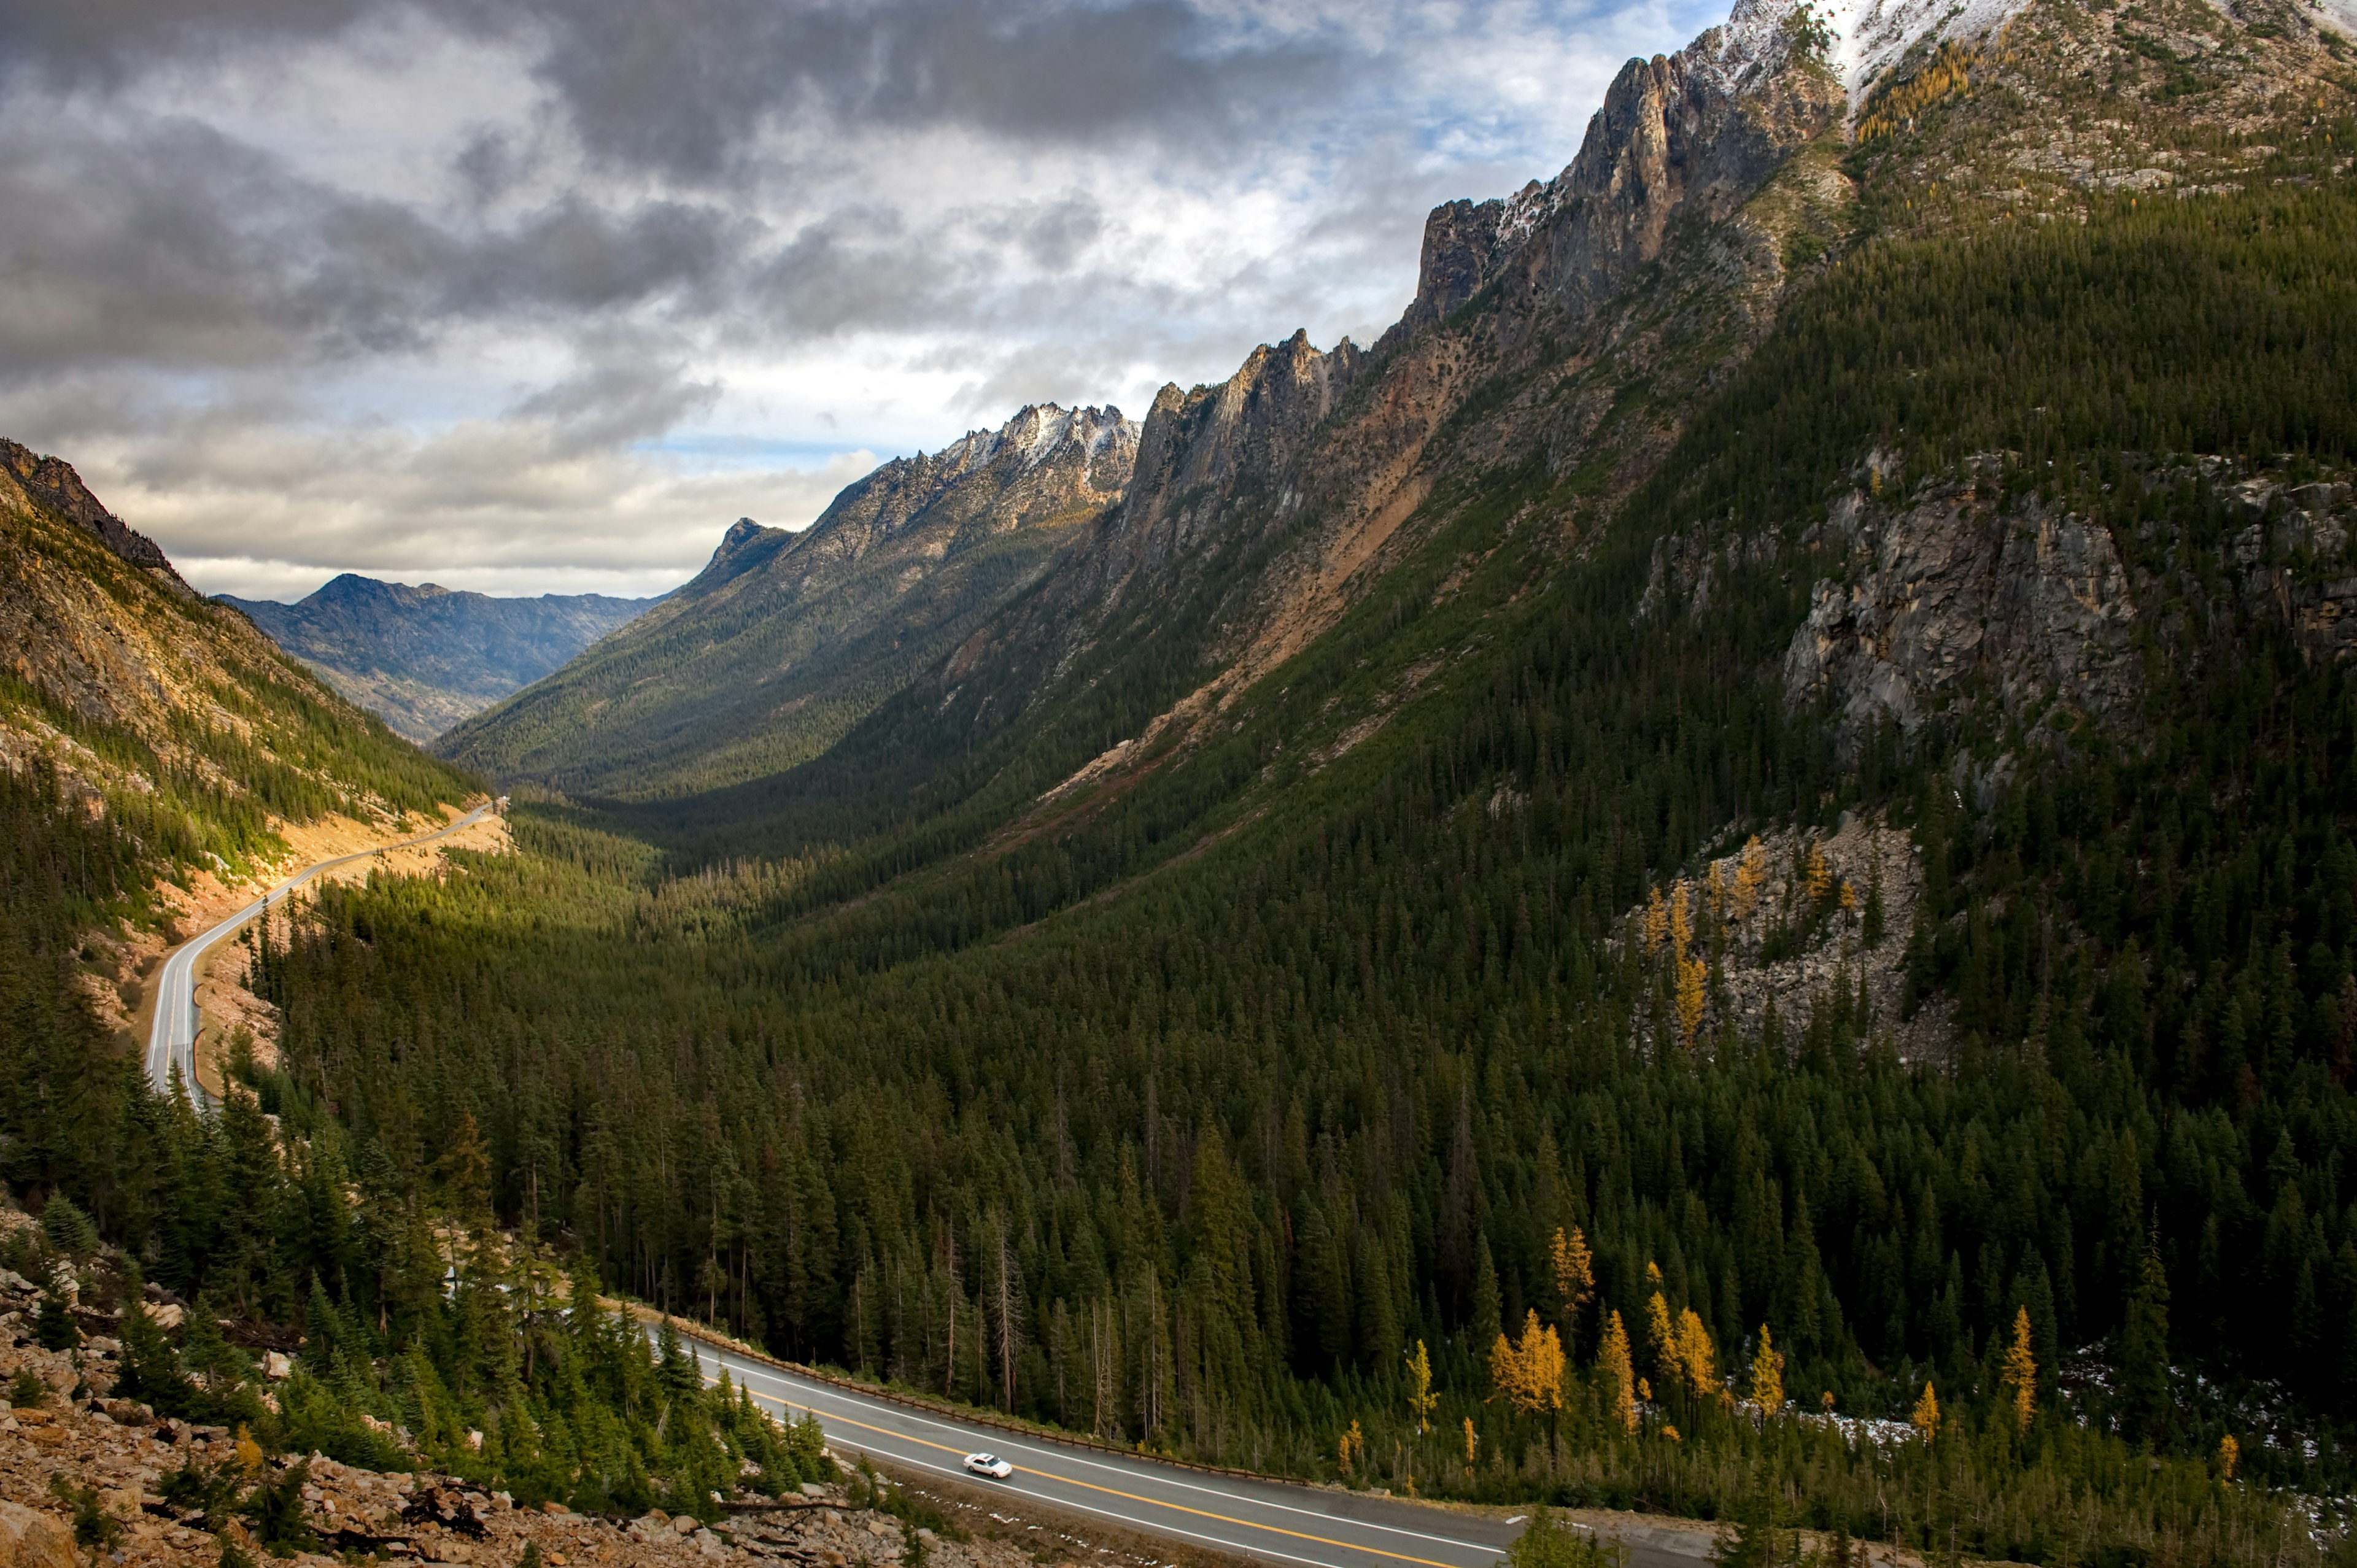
(1719, 877)
(786, 640)
(424, 658)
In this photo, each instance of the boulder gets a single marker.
(30, 1539)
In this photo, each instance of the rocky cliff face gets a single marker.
(1199, 446)
(1955, 597)
(2031, 605)
(422, 657)
(786, 640)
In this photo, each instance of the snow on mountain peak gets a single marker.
(1871, 36)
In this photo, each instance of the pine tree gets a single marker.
(463, 1171)
(1486, 1325)
(2144, 1350)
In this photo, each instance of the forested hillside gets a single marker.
(1431, 1021)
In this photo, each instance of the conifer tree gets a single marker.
(1767, 1375)
(1529, 1374)
(1575, 1275)
(2144, 1350)
(1926, 1416)
(1421, 1401)
(1613, 1359)
(1661, 1338)
(1486, 1325)
(1696, 1357)
(2020, 1377)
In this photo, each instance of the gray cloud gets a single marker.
(372, 283)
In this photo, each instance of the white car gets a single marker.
(989, 1464)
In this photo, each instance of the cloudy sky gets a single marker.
(538, 295)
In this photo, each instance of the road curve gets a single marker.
(172, 1039)
(1271, 1521)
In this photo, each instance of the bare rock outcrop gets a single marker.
(1953, 585)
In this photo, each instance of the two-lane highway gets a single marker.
(1272, 1522)
(172, 1039)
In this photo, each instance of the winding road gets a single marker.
(1271, 1521)
(172, 1039)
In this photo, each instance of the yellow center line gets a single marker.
(1132, 1496)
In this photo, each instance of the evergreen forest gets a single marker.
(1345, 1115)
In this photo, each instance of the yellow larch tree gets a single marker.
(1662, 1338)
(1421, 1400)
(2229, 1452)
(1693, 975)
(1818, 875)
(1530, 1374)
(2020, 1378)
(1750, 873)
(1613, 1359)
(1657, 919)
(1575, 1272)
(1697, 1357)
(1768, 1375)
(1351, 1450)
(1472, 1444)
(1681, 930)
(1926, 1419)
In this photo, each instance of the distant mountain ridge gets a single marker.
(787, 639)
(422, 657)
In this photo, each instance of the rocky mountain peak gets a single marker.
(1046, 463)
(1710, 122)
(51, 484)
(1196, 444)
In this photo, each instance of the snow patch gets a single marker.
(1872, 35)
(2338, 15)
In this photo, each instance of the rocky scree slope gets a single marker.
(424, 658)
(786, 640)
(139, 691)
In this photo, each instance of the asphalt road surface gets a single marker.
(172, 1041)
(1269, 1520)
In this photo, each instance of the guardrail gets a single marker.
(689, 1329)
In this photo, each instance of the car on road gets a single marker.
(989, 1464)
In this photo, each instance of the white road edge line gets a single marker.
(788, 1379)
(1045, 1498)
(1067, 1456)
